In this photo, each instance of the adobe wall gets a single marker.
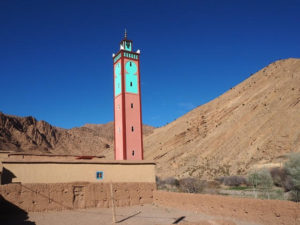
(60, 196)
(266, 212)
(84, 171)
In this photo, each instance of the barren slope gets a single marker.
(255, 123)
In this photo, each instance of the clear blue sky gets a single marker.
(56, 65)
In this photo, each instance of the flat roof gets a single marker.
(76, 161)
(49, 154)
(4, 151)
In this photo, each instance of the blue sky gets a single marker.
(56, 65)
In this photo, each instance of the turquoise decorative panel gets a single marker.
(128, 46)
(118, 80)
(129, 55)
(131, 77)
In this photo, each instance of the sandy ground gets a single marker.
(267, 212)
(135, 215)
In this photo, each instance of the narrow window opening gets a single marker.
(132, 105)
(132, 153)
(130, 84)
(118, 107)
(130, 64)
(132, 128)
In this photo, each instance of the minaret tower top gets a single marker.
(126, 44)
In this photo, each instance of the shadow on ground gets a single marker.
(11, 214)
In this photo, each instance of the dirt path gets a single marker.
(135, 215)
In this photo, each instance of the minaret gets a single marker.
(127, 103)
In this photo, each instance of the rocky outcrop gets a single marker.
(26, 133)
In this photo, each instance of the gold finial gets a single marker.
(125, 34)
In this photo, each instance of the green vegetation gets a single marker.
(292, 167)
(276, 183)
(262, 180)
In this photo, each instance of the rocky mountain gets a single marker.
(26, 134)
(252, 125)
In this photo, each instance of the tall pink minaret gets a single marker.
(127, 103)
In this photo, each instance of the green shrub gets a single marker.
(292, 167)
(169, 183)
(261, 179)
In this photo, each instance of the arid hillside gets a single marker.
(26, 134)
(253, 124)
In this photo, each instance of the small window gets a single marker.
(130, 64)
(130, 84)
(99, 175)
(118, 107)
(119, 129)
(132, 153)
(132, 128)
(132, 105)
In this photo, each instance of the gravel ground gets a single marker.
(135, 215)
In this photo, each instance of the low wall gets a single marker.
(46, 197)
(255, 210)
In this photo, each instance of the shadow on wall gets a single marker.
(6, 176)
(11, 214)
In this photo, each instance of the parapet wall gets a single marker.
(265, 212)
(60, 196)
